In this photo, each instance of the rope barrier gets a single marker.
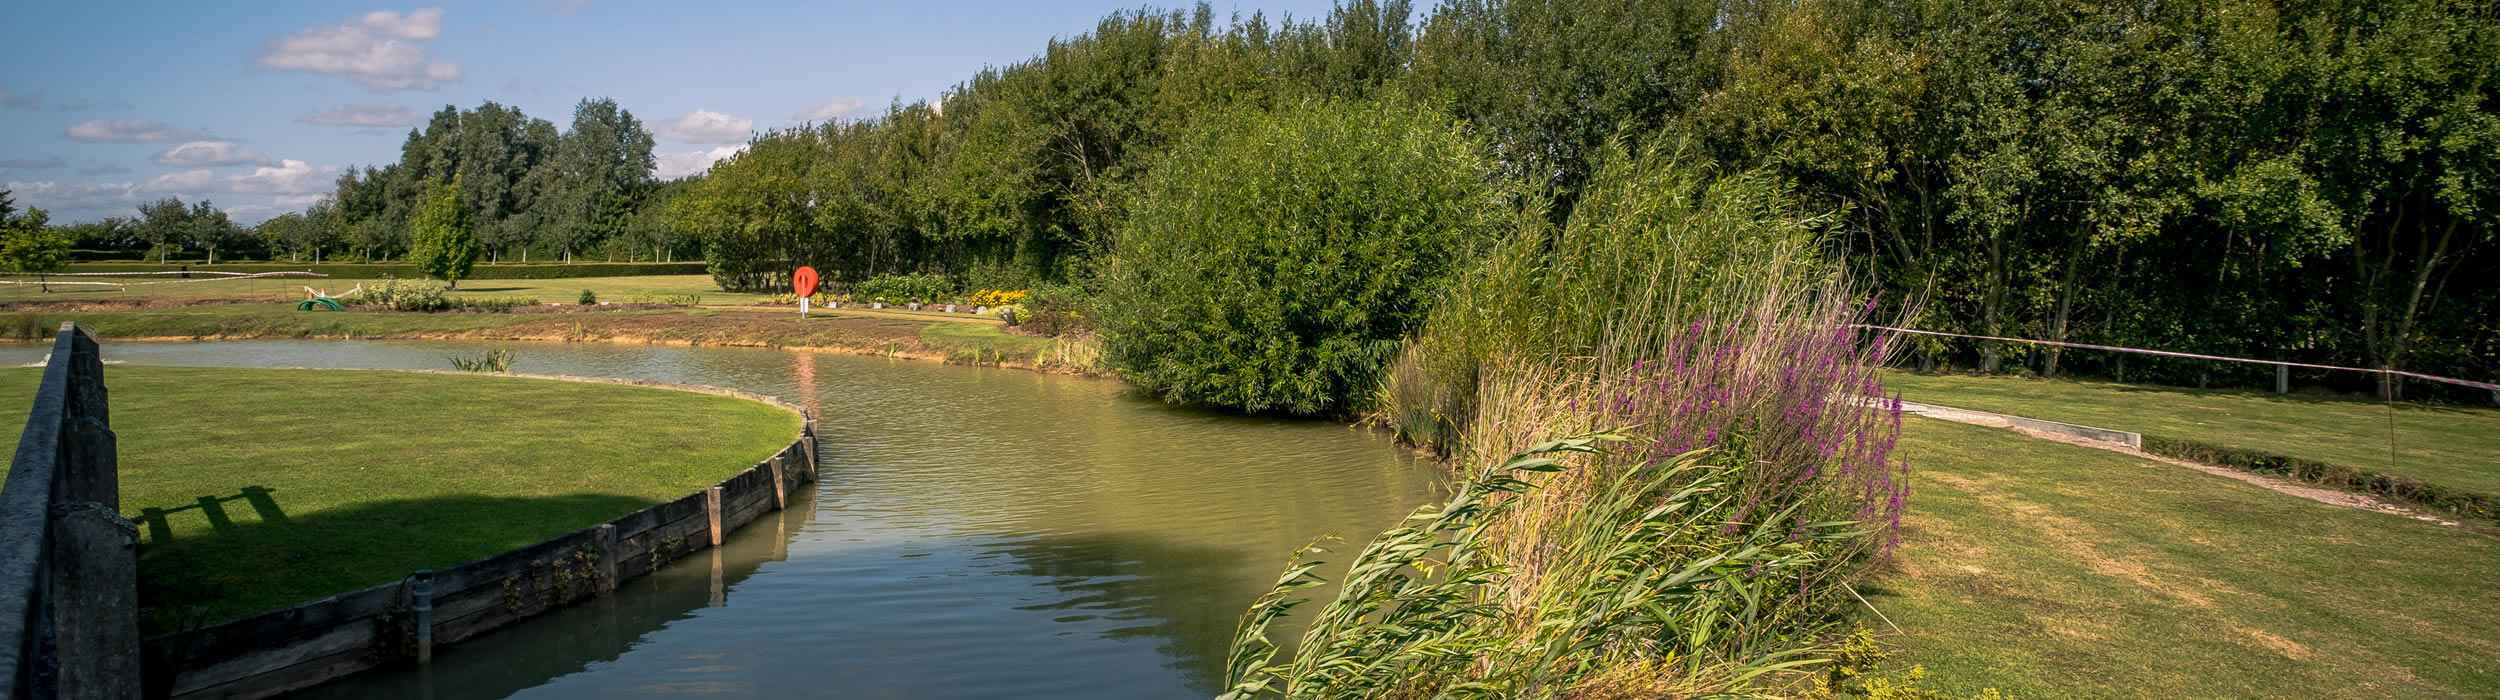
(2192, 356)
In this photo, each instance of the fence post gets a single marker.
(2282, 379)
(711, 508)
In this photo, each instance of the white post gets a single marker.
(802, 306)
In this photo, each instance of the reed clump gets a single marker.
(1687, 319)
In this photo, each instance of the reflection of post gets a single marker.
(720, 595)
(803, 368)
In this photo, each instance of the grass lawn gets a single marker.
(611, 289)
(2457, 447)
(278, 486)
(2051, 570)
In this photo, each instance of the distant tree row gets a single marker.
(529, 188)
(2314, 181)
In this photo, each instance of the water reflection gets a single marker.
(978, 533)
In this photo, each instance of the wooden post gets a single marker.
(711, 508)
(781, 493)
(95, 601)
(2282, 379)
(605, 539)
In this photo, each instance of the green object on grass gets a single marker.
(318, 303)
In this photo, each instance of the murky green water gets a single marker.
(977, 533)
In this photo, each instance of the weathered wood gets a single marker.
(711, 510)
(604, 540)
(95, 601)
(781, 491)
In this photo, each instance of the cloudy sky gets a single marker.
(258, 105)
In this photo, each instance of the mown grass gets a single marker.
(2453, 446)
(371, 475)
(2051, 570)
(609, 289)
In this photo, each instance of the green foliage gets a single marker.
(1274, 259)
(897, 289)
(1054, 310)
(1853, 675)
(1646, 580)
(406, 295)
(29, 244)
(446, 247)
(587, 299)
(497, 360)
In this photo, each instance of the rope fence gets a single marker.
(2193, 356)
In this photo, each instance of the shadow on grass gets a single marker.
(216, 559)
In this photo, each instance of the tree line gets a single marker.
(2310, 181)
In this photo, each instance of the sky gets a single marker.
(257, 106)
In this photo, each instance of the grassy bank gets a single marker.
(2050, 570)
(955, 338)
(270, 487)
(2445, 447)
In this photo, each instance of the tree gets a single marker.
(209, 228)
(1272, 261)
(29, 244)
(603, 166)
(164, 223)
(445, 245)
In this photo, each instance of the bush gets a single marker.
(587, 298)
(896, 289)
(1053, 310)
(1273, 260)
(407, 295)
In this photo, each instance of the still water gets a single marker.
(977, 533)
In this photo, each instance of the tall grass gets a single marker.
(1412, 618)
(1695, 312)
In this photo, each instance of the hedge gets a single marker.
(377, 271)
(2434, 497)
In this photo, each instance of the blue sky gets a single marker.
(258, 105)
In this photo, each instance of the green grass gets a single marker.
(610, 289)
(2050, 570)
(2455, 447)
(567, 290)
(371, 475)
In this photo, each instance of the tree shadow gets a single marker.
(189, 577)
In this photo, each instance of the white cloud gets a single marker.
(17, 101)
(183, 181)
(706, 126)
(365, 113)
(251, 214)
(207, 153)
(33, 163)
(289, 177)
(298, 201)
(830, 110)
(383, 51)
(131, 131)
(671, 166)
(73, 196)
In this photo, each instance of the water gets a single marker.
(977, 533)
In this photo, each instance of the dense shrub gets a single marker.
(1054, 310)
(896, 289)
(1273, 260)
(406, 295)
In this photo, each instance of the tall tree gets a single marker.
(445, 243)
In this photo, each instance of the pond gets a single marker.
(977, 533)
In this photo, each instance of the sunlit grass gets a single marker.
(277, 486)
(2051, 570)
(2454, 446)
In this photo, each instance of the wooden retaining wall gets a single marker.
(317, 641)
(69, 625)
